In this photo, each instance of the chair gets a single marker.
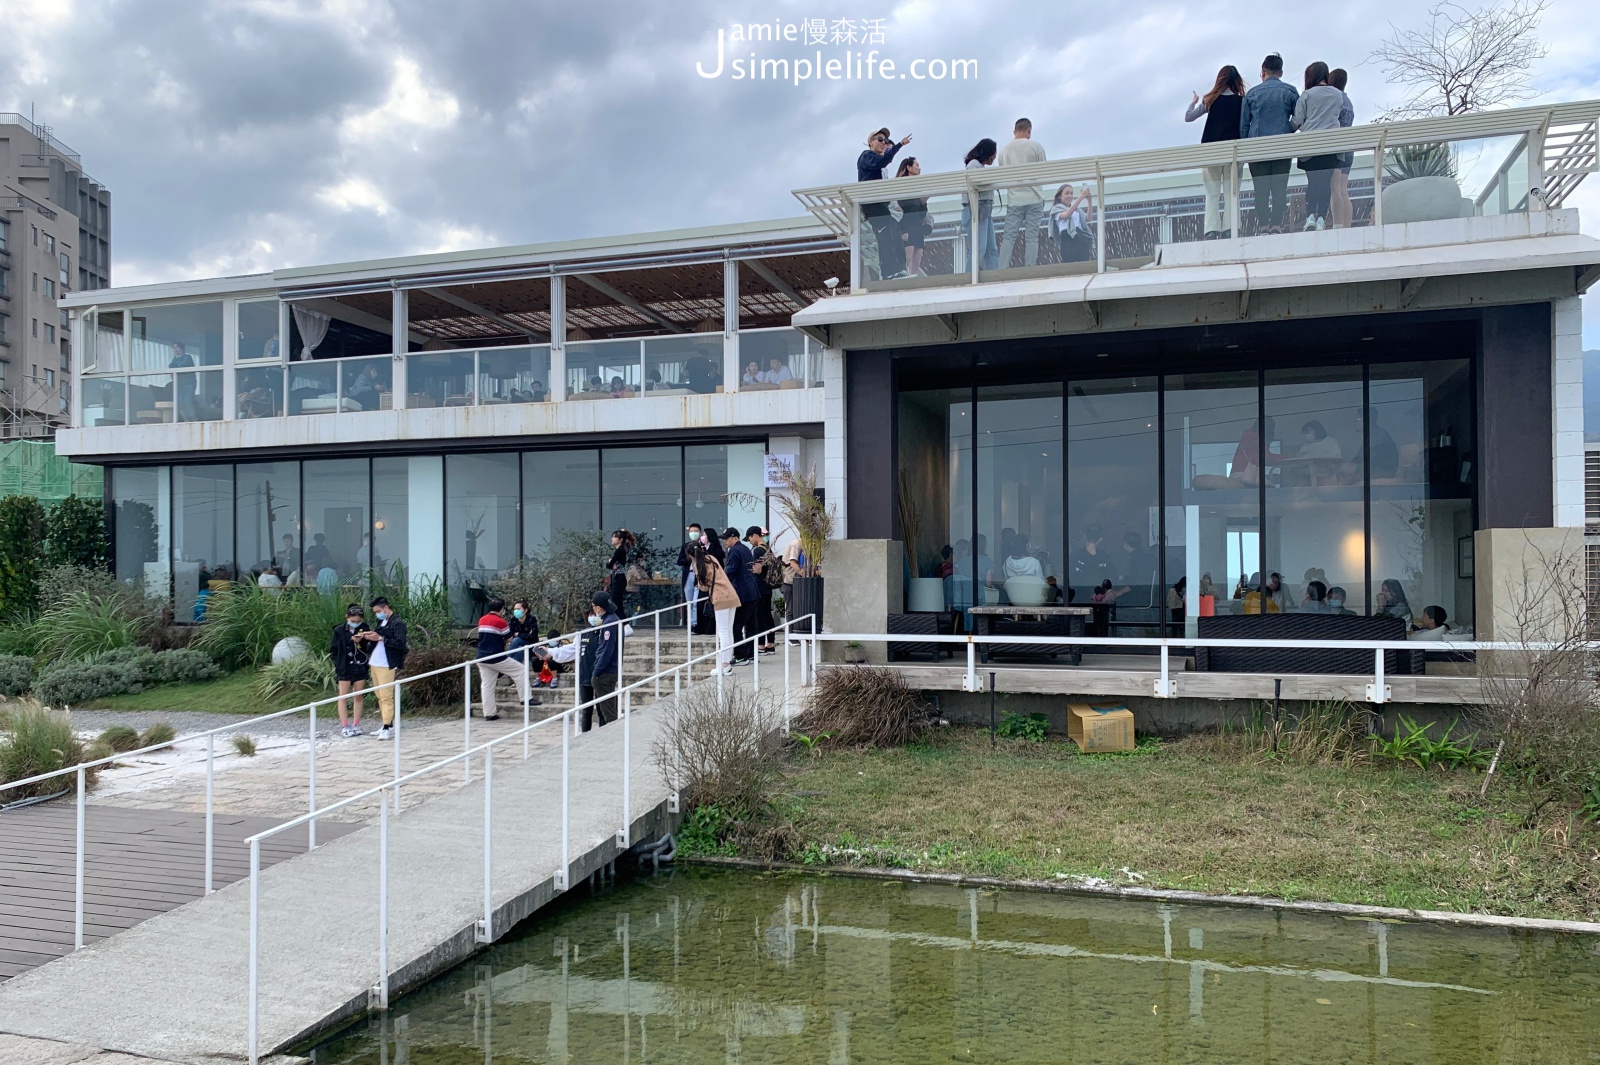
(1274, 660)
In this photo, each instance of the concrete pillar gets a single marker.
(730, 326)
(1523, 578)
(833, 430)
(1566, 352)
(400, 332)
(863, 581)
(230, 356)
(558, 338)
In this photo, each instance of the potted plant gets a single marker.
(855, 653)
(1421, 185)
(812, 521)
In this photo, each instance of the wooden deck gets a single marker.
(137, 863)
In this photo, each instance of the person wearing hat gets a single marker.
(347, 648)
(870, 166)
(765, 561)
(606, 667)
(738, 565)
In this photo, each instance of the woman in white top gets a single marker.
(983, 244)
(1070, 216)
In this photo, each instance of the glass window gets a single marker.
(480, 521)
(602, 369)
(258, 330)
(561, 490)
(105, 401)
(337, 539)
(66, 270)
(202, 535)
(260, 391)
(935, 497)
(408, 528)
(367, 384)
(439, 379)
(514, 375)
(1113, 496)
(150, 399)
(141, 503)
(49, 244)
(1214, 456)
(1420, 456)
(674, 365)
(314, 387)
(106, 348)
(198, 396)
(1315, 530)
(179, 335)
(641, 490)
(1019, 462)
(267, 502)
(780, 353)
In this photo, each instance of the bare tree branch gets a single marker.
(1464, 60)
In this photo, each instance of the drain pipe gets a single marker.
(662, 850)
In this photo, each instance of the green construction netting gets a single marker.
(32, 468)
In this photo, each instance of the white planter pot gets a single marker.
(1424, 199)
(926, 595)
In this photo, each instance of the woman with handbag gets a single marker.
(714, 585)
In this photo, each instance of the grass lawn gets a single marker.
(228, 694)
(1203, 814)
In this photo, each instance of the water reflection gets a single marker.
(700, 965)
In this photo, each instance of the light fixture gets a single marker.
(1103, 355)
(1369, 338)
(1232, 347)
(379, 525)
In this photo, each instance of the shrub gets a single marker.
(865, 706)
(422, 603)
(1322, 732)
(435, 693)
(184, 666)
(242, 624)
(558, 578)
(1031, 727)
(19, 637)
(303, 675)
(38, 740)
(158, 735)
(77, 683)
(21, 533)
(119, 738)
(16, 675)
(722, 748)
(82, 625)
(245, 745)
(75, 534)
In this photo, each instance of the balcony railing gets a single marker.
(1125, 211)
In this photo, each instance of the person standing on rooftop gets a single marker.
(913, 219)
(982, 240)
(1024, 205)
(870, 166)
(1221, 108)
(1341, 212)
(1265, 112)
(1317, 109)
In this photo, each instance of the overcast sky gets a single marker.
(241, 135)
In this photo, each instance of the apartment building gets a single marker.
(55, 238)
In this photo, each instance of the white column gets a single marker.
(785, 445)
(558, 338)
(833, 432)
(1566, 396)
(230, 359)
(730, 326)
(80, 325)
(400, 327)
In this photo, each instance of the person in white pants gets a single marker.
(713, 582)
(493, 633)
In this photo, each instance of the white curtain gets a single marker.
(313, 326)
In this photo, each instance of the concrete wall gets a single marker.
(1566, 355)
(1524, 578)
(863, 583)
(1515, 441)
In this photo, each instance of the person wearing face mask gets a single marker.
(386, 656)
(524, 626)
(606, 669)
(716, 587)
(348, 649)
(691, 536)
(1336, 598)
(494, 632)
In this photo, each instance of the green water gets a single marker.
(708, 966)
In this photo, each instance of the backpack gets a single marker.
(772, 572)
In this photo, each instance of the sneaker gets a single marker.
(555, 682)
(726, 671)
(1212, 234)
(1311, 223)
(386, 732)
(355, 729)
(491, 717)
(1322, 223)
(769, 650)
(344, 730)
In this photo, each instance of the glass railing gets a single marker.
(1141, 209)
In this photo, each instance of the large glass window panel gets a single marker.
(105, 401)
(197, 396)
(260, 391)
(514, 375)
(561, 491)
(642, 491)
(1214, 449)
(705, 486)
(408, 532)
(781, 353)
(747, 492)
(334, 529)
(177, 335)
(141, 508)
(439, 379)
(367, 384)
(675, 365)
(1019, 514)
(1113, 493)
(258, 330)
(1419, 440)
(107, 346)
(267, 505)
(935, 500)
(150, 399)
(313, 387)
(202, 535)
(481, 502)
(1315, 499)
(603, 369)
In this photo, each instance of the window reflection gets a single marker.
(1019, 465)
(1113, 491)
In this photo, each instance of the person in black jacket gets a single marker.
(386, 655)
(606, 664)
(870, 165)
(1220, 107)
(737, 565)
(767, 568)
(348, 649)
(622, 544)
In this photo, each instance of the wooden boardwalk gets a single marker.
(137, 864)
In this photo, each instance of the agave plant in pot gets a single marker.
(1420, 184)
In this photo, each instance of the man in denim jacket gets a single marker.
(1265, 113)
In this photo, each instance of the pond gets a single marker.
(702, 965)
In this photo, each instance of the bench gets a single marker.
(941, 624)
(1284, 660)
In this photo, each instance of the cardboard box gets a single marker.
(1097, 729)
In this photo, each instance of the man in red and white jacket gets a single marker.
(493, 632)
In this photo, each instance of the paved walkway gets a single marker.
(175, 986)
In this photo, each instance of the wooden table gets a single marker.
(1008, 620)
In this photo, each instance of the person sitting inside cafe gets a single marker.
(1431, 626)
